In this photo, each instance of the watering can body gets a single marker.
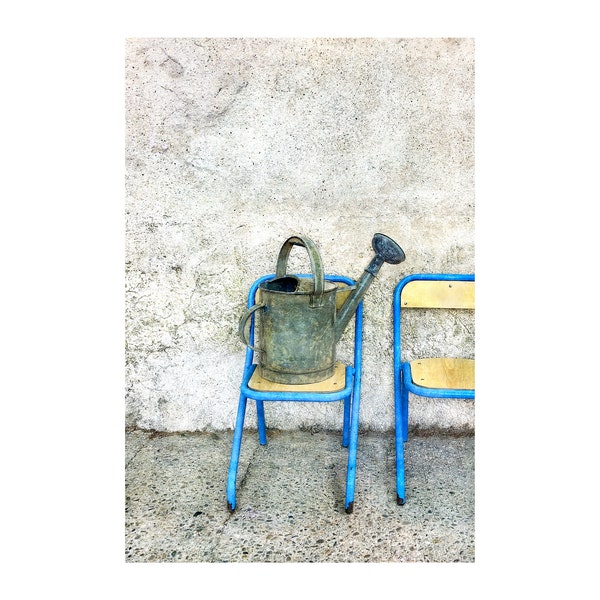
(297, 337)
(302, 319)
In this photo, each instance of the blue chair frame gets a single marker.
(350, 395)
(403, 381)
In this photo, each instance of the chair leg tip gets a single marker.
(350, 508)
(230, 507)
(399, 500)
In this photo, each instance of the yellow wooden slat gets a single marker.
(448, 373)
(336, 382)
(343, 291)
(438, 294)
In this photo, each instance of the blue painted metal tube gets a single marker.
(235, 452)
(262, 427)
(404, 409)
(399, 413)
(346, 422)
(348, 403)
(432, 277)
(399, 439)
(358, 324)
(353, 443)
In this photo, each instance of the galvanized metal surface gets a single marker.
(299, 323)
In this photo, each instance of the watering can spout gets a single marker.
(386, 250)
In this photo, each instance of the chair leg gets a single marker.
(260, 417)
(399, 439)
(404, 408)
(400, 490)
(346, 425)
(352, 451)
(235, 453)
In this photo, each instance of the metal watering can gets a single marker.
(300, 323)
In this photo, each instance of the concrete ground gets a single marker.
(290, 499)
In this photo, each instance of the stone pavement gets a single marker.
(290, 499)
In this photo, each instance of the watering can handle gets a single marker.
(315, 261)
(242, 326)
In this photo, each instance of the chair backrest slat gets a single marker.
(438, 294)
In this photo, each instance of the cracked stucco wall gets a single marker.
(232, 145)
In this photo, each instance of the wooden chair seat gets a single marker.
(444, 373)
(336, 382)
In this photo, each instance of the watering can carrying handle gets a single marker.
(316, 299)
(242, 325)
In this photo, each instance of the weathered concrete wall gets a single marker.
(232, 145)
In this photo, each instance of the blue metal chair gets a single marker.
(429, 377)
(347, 381)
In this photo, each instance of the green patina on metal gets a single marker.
(299, 323)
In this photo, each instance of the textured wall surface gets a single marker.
(232, 145)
